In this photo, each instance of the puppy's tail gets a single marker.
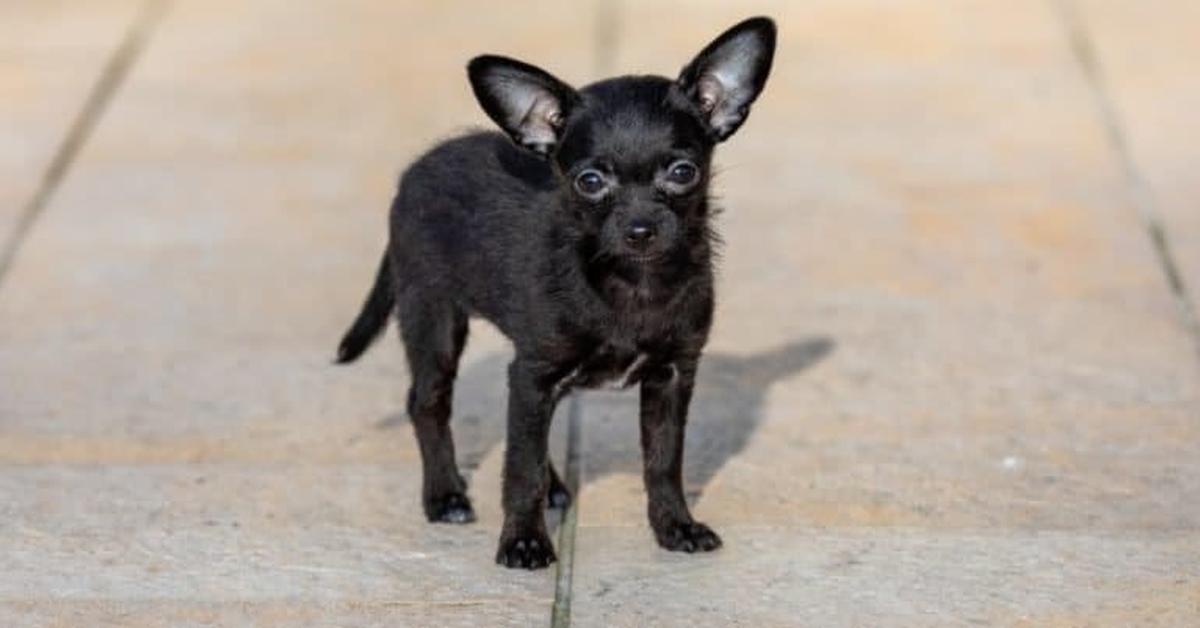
(373, 317)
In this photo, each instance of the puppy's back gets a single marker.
(469, 217)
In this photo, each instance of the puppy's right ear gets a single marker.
(725, 78)
(526, 101)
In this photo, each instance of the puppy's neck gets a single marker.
(625, 285)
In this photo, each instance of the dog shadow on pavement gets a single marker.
(727, 406)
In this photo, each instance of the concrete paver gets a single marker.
(243, 542)
(924, 187)
(772, 576)
(51, 54)
(298, 613)
(175, 442)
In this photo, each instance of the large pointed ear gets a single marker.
(526, 101)
(725, 78)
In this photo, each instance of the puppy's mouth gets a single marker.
(645, 258)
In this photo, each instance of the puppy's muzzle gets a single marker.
(640, 234)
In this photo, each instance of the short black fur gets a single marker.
(583, 234)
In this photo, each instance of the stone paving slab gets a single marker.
(975, 313)
(226, 539)
(771, 576)
(277, 614)
(938, 314)
(51, 55)
(177, 448)
(1147, 53)
(229, 532)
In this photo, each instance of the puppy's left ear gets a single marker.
(725, 78)
(525, 101)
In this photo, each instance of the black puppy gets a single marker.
(586, 240)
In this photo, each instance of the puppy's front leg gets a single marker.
(666, 393)
(523, 540)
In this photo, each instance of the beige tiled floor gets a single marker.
(949, 383)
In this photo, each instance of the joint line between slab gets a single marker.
(560, 615)
(1140, 194)
(606, 14)
(110, 79)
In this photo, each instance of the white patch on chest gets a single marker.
(623, 381)
(564, 384)
(619, 382)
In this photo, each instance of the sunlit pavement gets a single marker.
(954, 378)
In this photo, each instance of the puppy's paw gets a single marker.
(688, 537)
(531, 551)
(449, 508)
(558, 497)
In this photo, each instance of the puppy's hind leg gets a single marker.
(434, 331)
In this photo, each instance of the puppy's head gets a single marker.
(632, 154)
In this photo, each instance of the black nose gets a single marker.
(640, 233)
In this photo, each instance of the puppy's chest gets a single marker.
(606, 367)
(635, 346)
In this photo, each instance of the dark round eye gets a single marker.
(590, 182)
(682, 173)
